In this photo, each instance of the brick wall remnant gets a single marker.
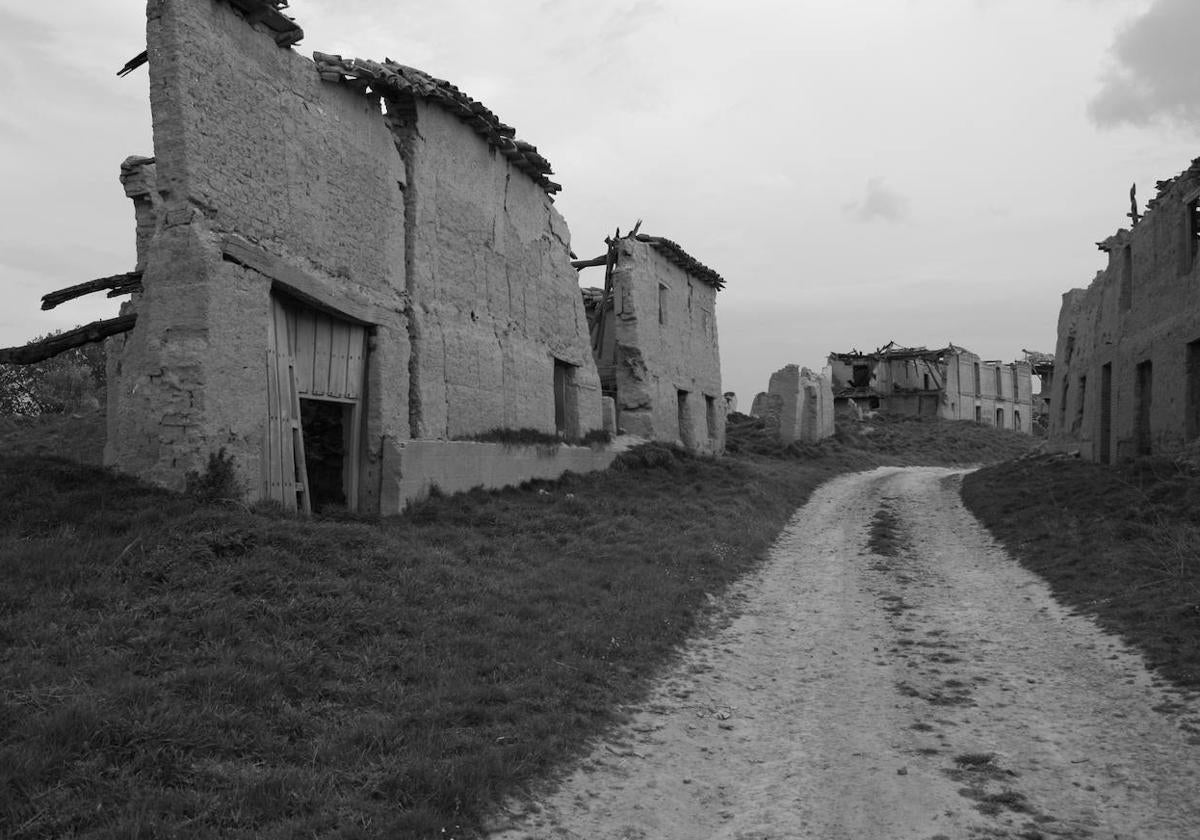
(950, 382)
(362, 217)
(1126, 368)
(805, 404)
(654, 338)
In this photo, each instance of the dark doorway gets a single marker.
(686, 435)
(1106, 414)
(566, 414)
(326, 428)
(999, 418)
(1193, 390)
(1143, 398)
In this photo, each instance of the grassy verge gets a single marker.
(175, 669)
(169, 668)
(1122, 544)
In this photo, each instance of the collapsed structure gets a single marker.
(1127, 363)
(654, 339)
(797, 405)
(952, 383)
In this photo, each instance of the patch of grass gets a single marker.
(1122, 544)
(885, 439)
(534, 437)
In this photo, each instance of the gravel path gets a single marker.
(936, 694)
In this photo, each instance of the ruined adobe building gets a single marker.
(952, 383)
(1127, 364)
(798, 405)
(654, 339)
(340, 260)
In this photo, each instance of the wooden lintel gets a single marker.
(115, 281)
(39, 351)
(302, 285)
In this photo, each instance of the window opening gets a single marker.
(978, 389)
(662, 304)
(710, 416)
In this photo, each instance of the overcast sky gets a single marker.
(860, 171)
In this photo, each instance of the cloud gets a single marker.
(1155, 77)
(880, 203)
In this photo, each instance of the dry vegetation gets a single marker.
(173, 668)
(1121, 544)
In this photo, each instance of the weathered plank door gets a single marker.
(314, 356)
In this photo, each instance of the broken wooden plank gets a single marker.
(38, 351)
(134, 63)
(115, 281)
(594, 261)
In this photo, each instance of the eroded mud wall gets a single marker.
(668, 360)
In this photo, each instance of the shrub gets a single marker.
(218, 482)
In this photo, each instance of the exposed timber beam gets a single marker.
(38, 351)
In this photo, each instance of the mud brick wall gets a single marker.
(805, 402)
(666, 337)
(248, 141)
(495, 300)
(1136, 326)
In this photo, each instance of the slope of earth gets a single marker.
(893, 675)
(1120, 543)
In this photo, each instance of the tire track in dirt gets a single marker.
(890, 673)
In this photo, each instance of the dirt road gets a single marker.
(936, 693)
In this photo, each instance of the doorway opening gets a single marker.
(327, 440)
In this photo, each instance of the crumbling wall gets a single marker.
(249, 142)
(1126, 378)
(495, 301)
(668, 360)
(805, 403)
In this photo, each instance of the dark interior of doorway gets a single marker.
(325, 425)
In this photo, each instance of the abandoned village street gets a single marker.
(890, 674)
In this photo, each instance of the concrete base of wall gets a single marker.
(412, 468)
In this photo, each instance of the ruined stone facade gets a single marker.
(797, 405)
(654, 335)
(1127, 363)
(343, 245)
(952, 383)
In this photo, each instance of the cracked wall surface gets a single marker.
(1126, 375)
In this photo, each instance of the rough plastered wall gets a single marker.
(1137, 326)
(666, 336)
(495, 300)
(805, 403)
(249, 141)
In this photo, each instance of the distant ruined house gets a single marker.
(952, 383)
(344, 266)
(1127, 363)
(654, 339)
(798, 405)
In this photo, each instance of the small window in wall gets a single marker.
(686, 435)
(1016, 378)
(1127, 277)
(978, 380)
(861, 376)
(999, 382)
(710, 416)
(662, 304)
(927, 382)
